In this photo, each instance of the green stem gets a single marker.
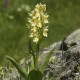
(36, 56)
(31, 52)
(36, 61)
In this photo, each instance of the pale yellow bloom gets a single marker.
(29, 20)
(37, 14)
(31, 35)
(34, 29)
(33, 24)
(39, 25)
(45, 32)
(44, 18)
(36, 39)
(46, 21)
(40, 7)
(37, 22)
(31, 14)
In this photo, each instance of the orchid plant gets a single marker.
(38, 28)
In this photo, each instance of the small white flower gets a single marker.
(33, 24)
(34, 29)
(45, 21)
(37, 14)
(44, 18)
(29, 20)
(39, 25)
(31, 14)
(31, 35)
(36, 39)
(45, 32)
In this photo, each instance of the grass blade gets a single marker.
(45, 61)
(18, 67)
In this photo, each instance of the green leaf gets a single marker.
(45, 61)
(35, 75)
(18, 67)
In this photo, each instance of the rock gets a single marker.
(71, 62)
(67, 55)
(71, 57)
(73, 39)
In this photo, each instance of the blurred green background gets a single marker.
(64, 17)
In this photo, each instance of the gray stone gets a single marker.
(73, 38)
